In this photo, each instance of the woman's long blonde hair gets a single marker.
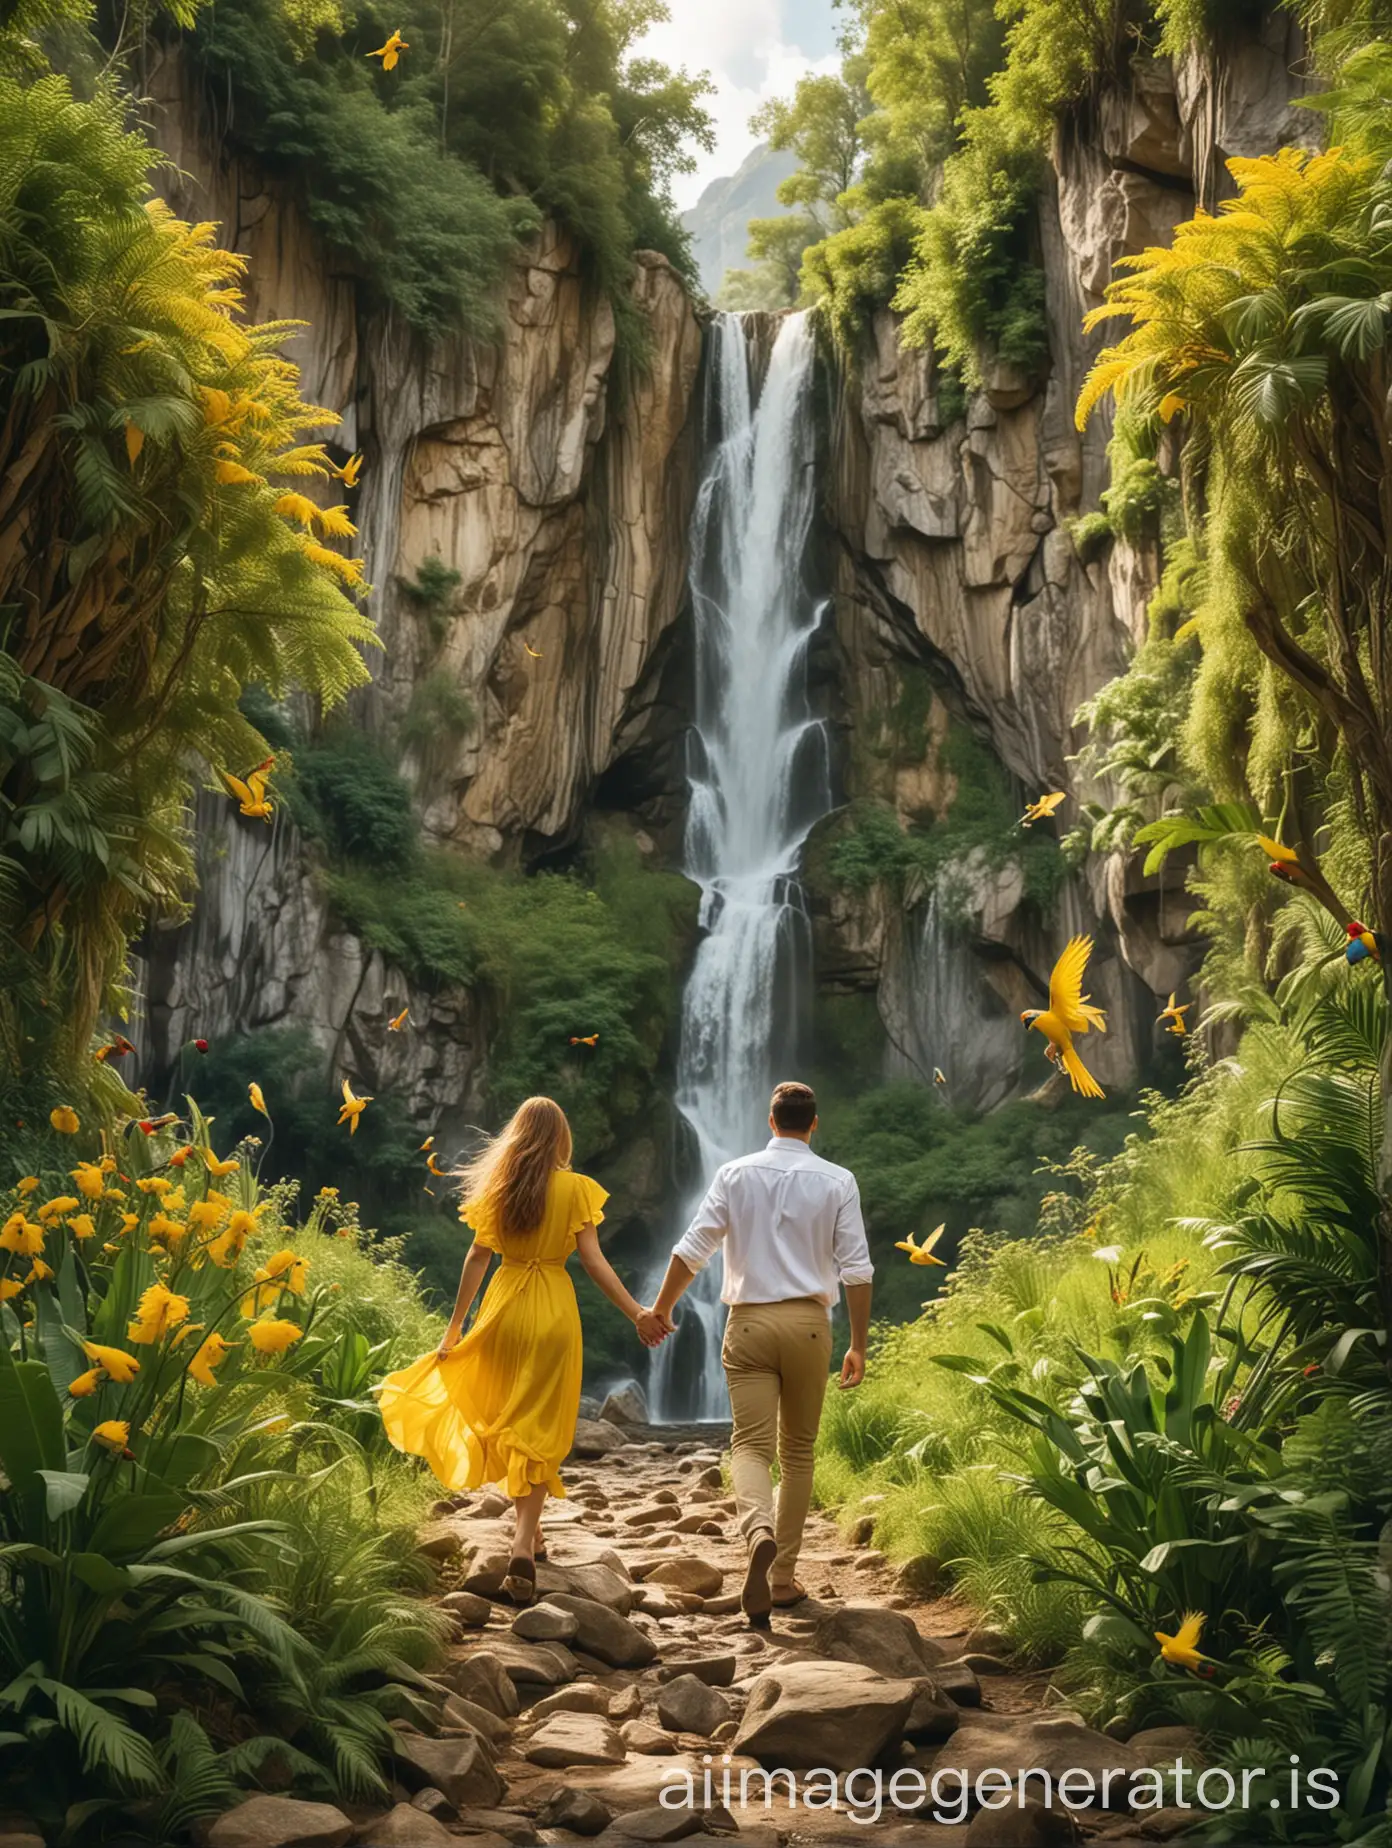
(515, 1167)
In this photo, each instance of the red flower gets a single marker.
(200, 1045)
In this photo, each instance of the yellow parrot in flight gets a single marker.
(1069, 1012)
(1043, 808)
(923, 1254)
(251, 794)
(1175, 1016)
(390, 53)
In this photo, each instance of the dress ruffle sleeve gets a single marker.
(481, 1216)
(587, 1203)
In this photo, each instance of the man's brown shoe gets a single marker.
(756, 1599)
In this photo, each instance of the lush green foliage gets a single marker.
(201, 1516)
(426, 176)
(979, 828)
(148, 569)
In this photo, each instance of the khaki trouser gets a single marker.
(777, 1357)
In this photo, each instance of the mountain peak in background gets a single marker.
(719, 220)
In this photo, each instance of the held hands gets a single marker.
(653, 1329)
(448, 1344)
(853, 1367)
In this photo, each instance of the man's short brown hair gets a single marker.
(794, 1106)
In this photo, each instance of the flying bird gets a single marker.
(390, 52)
(583, 1039)
(352, 468)
(351, 1108)
(1175, 1016)
(251, 794)
(435, 1168)
(938, 1077)
(1041, 809)
(923, 1254)
(118, 1049)
(535, 653)
(1069, 1012)
(1362, 943)
(1182, 1649)
(395, 1026)
(427, 1145)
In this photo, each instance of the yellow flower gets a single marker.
(216, 1167)
(86, 1383)
(27, 1186)
(272, 1336)
(204, 1215)
(122, 1366)
(165, 1231)
(328, 1193)
(22, 1236)
(213, 1351)
(114, 1434)
(159, 1311)
(258, 1101)
(129, 1221)
(153, 1184)
(10, 1286)
(64, 1120)
(41, 1273)
(88, 1175)
(81, 1226)
(107, 1164)
(289, 1268)
(112, 1193)
(55, 1208)
(232, 474)
(226, 1249)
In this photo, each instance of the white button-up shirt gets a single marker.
(790, 1223)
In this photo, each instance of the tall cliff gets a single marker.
(953, 559)
(524, 512)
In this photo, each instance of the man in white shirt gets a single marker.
(792, 1233)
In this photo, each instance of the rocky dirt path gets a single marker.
(568, 1721)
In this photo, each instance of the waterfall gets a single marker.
(759, 771)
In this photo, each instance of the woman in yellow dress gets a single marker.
(501, 1404)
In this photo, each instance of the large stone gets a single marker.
(643, 1780)
(688, 1573)
(576, 1810)
(280, 1822)
(717, 1671)
(439, 1540)
(472, 1610)
(481, 1678)
(595, 1437)
(661, 1823)
(688, 1705)
(485, 1573)
(604, 1634)
(642, 1736)
(575, 1739)
(404, 1827)
(597, 1579)
(1053, 1743)
(461, 1715)
(877, 1638)
(1028, 1825)
(805, 1715)
(545, 1623)
(527, 1663)
(460, 1765)
(580, 1697)
(507, 1824)
(626, 1406)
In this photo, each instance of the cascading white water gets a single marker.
(760, 777)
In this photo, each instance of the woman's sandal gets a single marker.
(786, 1596)
(520, 1584)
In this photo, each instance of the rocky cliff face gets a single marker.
(952, 551)
(549, 496)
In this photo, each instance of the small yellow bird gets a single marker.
(351, 1108)
(251, 794)
(395, 1026)
(1175, 1016)
(435, 1168)
(535, 653)
(585, 1039)
(1069, 1012)
(427, 1145)
(923, 1254)
(352, 468)
(391, 51)
(1043, 808)
(1182, 1649)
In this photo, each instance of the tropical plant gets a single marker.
(157, 1362)
(149, 565)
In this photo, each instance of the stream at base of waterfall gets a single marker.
(760, 777)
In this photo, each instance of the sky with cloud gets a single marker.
(753, 49)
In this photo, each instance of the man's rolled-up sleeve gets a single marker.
(849, 1247)
(710, 1222)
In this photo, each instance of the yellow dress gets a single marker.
(501, 1407)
